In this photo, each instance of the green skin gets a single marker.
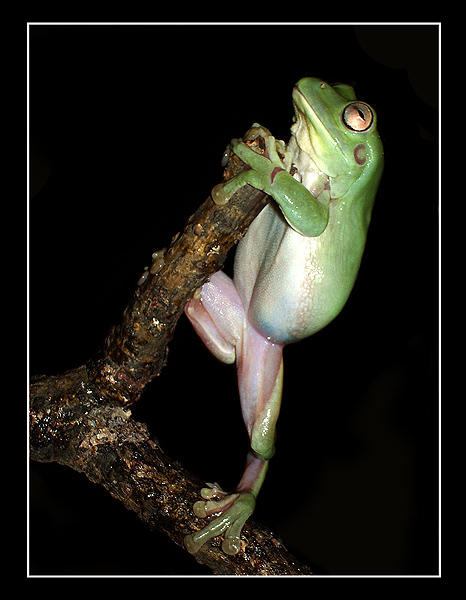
(294, 269)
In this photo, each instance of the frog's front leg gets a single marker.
(263, 168)
(222, 324)
(305, 213)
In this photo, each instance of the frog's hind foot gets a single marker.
(231, 512)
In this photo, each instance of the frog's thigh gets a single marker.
(217, 316)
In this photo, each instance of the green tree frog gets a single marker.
(294, 269)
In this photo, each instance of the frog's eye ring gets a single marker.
(357, 116)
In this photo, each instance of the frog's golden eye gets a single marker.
(357, 116)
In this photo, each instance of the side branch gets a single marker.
(98, 437)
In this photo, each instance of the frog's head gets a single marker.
(338, 135)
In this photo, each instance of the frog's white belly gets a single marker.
(299, 284)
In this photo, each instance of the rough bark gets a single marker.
(82, 419)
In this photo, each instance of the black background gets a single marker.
(127, 129)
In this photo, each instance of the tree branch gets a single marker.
(81, 418)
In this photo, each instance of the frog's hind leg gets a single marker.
(260, 378)
(217, 315)
(260, 374)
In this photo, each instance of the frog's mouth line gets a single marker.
(313, 126)
(307, 110)
(307, 127)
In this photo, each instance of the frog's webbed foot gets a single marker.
(231, 512)
(261, 166)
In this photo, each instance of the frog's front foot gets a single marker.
(262, 167)
(256, 131)
(231, 512)
(274, 149)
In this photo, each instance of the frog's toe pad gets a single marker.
(219, 195)
(231, 512)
